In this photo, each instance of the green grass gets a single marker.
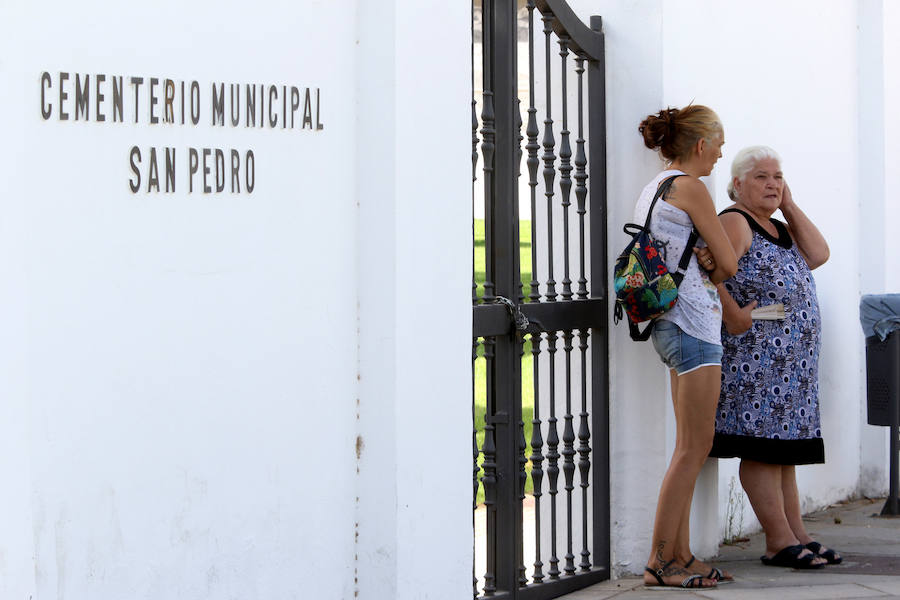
(524, 255)
(527, 363)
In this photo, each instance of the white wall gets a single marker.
(877, 451)
(175, 357)
(232, 395)
(877, 53)
(18, 569)
(416, 333)
(891, 62)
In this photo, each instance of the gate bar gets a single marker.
(600, 334)
(505, 391)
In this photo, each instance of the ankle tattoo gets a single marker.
(667, 568)
(659, 551)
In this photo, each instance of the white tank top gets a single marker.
(698, 311)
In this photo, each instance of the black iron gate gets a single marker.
(567, 316)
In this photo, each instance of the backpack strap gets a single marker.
(686, 257)
(636, 334)
(685, 260)
(661, 192)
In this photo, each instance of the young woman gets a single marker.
(688, 337)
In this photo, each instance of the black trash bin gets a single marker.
(880, 318)
(883, 379)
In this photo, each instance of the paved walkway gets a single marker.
(870, 546)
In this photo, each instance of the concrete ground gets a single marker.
(869, 544)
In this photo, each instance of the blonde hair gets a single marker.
(675, 131)
(744, 162)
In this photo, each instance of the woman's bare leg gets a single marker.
(696, 395)
(792, 505)
(763, 484)
(683, 553)
(683, 535)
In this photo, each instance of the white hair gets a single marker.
(744, 162)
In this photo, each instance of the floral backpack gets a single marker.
(644, 287)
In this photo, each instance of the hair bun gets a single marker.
(675, 131)
(669, 115)
(659, 128)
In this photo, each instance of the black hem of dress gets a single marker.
(768, 450)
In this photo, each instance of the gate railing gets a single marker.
(510, 328)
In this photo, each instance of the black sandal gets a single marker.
(789, 556)
(690, 582)
(715, 574)
(830, 555)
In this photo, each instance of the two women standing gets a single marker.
(728, 396)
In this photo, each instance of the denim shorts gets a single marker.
(683, 352)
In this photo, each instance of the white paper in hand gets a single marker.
(771, 312)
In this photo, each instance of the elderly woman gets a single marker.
(768, 413)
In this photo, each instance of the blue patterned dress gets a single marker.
(769, 405)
